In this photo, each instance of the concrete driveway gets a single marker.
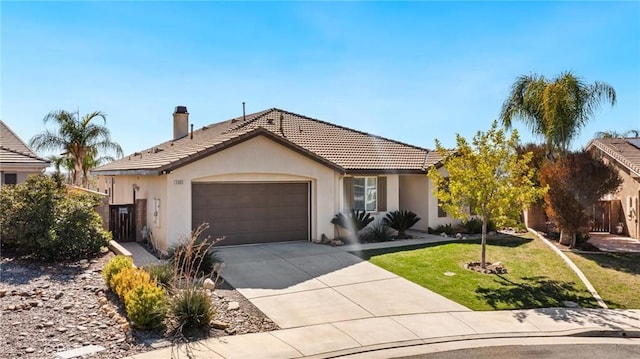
(300, 283)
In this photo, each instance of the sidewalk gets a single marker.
(362, 335)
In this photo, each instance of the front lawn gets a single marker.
(616, 276)
(537, 277)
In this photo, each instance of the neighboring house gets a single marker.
(270, 176)
(17, 160)
(618, 213)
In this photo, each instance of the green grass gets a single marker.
(616, 276)
(537, 277)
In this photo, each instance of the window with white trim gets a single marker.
(365, 193)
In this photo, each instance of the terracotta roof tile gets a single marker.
(621, 150)
(342, 147)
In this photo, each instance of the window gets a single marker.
(366, 193)
(10, 178)
(441, 212)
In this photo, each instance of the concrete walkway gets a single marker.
(371, 335)
(614, 243)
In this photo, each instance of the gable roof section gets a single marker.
(343, 149)
(621, 150)
(14, 151)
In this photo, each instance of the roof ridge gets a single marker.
(254, 117)
(352, 130)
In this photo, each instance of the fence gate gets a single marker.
(122, 222)
(600, 217)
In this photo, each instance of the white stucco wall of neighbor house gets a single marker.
(256, 160)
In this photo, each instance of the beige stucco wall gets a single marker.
(150, 188)
(256, 160)
(434, 220)
(414, 197)
(22, 172)
(629, 195)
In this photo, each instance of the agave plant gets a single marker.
(353, 222)
(401, 221)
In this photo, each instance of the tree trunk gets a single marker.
(565, 238)
(483, 255)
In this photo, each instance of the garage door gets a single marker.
(252, 212)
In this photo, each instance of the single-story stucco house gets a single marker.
(269, 176)
(17, 160)
(619, 212)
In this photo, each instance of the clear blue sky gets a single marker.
(411, 71)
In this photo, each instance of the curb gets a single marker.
(587, 333)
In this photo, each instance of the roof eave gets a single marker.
(132, 172)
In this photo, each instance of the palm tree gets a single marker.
(61, 162)
(616, 134)
(556, 109)
(80, 140)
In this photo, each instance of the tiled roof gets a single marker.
(342, 148)
(13, 150)
(621, 150)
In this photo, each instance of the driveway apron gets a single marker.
(300, 283)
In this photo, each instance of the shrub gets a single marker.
(354, 221)
(378, 232)
(127, 279)
(473, 225)
(41, 219)
(191, 309)
(78, 229)
(114, 266)
(161, 273)
(444, 228)
(401, 221)
(146, 306)
(194, 258)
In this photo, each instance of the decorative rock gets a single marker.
(3, 292)
(67, 306)
(219, 324)
(233, 306)
(124, 346)
(48, 324)
(58, 295)
(61, 329)
(443, 234)
(29, 350)
(458, 235)
(209, 284)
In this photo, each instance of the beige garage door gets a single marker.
(252, 212)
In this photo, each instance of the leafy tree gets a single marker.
(556, 109)
(615, 134)
(80, 140)
(575, 182)
(486, 176)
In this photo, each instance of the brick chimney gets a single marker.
(180, 122)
